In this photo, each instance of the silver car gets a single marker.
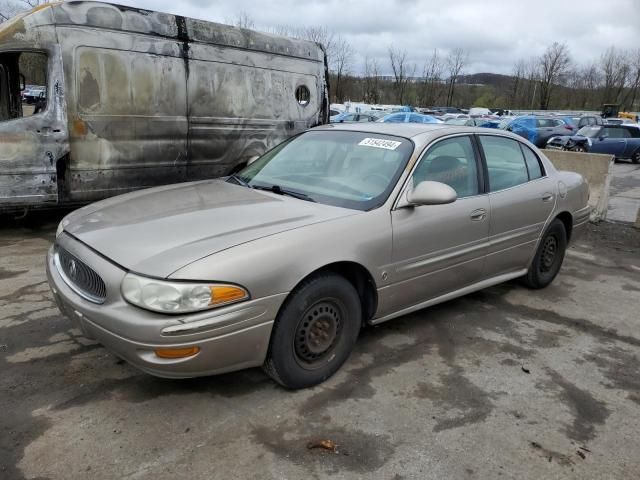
(281, 265)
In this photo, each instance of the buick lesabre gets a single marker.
(283, 263)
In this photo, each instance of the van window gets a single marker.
(23, 84)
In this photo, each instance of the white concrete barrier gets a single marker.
(596, 170)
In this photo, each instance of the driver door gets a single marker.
(441, 248)
(610, 141)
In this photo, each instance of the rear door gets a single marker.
(440, 248)
(521, 197)
(546, 129)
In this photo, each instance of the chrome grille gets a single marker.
(80, 277)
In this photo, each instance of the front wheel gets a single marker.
(314, 332)
(636, 157)
(579, 149)
(549, 257)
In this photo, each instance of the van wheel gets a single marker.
(314, 332)
(636, 157)
(549, 257)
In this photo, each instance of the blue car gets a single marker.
(621, 141)
(409, 118)
(538, 130)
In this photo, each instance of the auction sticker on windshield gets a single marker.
(380, 143)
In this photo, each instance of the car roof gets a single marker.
(406, 130)
(418, 132)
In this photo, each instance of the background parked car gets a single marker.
(538, 130)
(32, 94)
(622, 141)
(589, 120)
(473, 122)
(619, 121)
(409, 118)
(354, 117)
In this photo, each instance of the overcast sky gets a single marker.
(496, 33)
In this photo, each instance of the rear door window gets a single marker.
(505, 162)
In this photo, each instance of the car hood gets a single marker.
(160, 230)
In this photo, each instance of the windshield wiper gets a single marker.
(277, 189)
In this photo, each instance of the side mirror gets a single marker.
(428, 193)
(602, 137)
(23, 83)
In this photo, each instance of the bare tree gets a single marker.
(10, 8)
(634, 86)
(400, 68)
(455, 63)
(244, 20)
(615, 70)
(340, 65)
(371, 80)
(432, 79)
(554, 63)
(519, 72)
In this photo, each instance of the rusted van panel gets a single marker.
(141, 98)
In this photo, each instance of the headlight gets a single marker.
(178, 297)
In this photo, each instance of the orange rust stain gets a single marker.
(79, 127)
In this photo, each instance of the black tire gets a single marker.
(314, 332)
(579, 149)
(549, 257)
(636, 157)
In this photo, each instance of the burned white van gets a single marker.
(129, 98)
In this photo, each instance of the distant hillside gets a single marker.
(496, 80)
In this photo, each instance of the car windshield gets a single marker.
(347, 169)
(590, 132)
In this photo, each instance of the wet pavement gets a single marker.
(504, 383)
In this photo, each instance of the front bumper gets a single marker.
(230, 338)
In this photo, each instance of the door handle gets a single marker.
(478, 215)
(547, 197)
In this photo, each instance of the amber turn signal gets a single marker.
(177, 352)
(227, 294)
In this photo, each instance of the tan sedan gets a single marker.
(281, 265)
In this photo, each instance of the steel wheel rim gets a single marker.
(318, 332)
(549, 253)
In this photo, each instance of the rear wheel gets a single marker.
(549, 256)
(636, 157)
(315, 332)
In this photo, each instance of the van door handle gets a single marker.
(478, 215)
(547, 197)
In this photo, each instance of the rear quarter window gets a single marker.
(534, 166)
